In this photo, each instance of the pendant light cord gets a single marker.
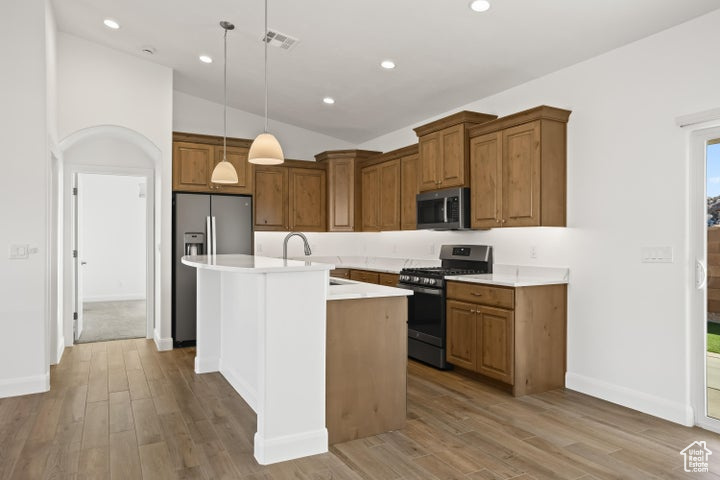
(225, 101)
(266, 39)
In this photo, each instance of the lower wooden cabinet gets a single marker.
(388, 279)
(512, 335)
(365, 276)
(340, 273)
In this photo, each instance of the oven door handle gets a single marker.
(428, 291)
(445, 215)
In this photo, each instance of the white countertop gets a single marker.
(375, 264)
(350, 289)
(518, 276)
(252, 264)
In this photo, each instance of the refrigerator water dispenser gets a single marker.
(194, 242)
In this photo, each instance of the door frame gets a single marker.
(699, 137)
(70, 173)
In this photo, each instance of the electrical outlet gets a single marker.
(533, 252)
(258, 247)
(657, 255)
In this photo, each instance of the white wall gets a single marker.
(197, 115)
(627, 188)
(24, 362)
(100, 86)
(113, 231)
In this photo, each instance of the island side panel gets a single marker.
(291, 387)
(207, 356)
(241, 313)
(366, 367)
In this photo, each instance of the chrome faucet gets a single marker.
(304, 239)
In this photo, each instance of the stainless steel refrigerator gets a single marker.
(202, 225)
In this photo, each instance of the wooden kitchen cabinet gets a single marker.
(344, 197)
(195, 157)
(192, 166)
(365, 276)
(271, 200)
(408, 192)
(518, 170)
(307, 208)
(443, 160)
(388, 279)
(515, 336)
(380, 186)
(237, 156)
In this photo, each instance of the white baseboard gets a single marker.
(280, 449)
(59, 350)
(162, 344)
(207, 364)
(246, 391)
(659, 407)
(114, 297)
(12, 387)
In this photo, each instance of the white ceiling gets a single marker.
(447, 55)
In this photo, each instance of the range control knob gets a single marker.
(416, 279)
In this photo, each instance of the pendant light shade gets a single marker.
(224, 172)
(265, 149)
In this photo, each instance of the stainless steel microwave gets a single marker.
(447, 209)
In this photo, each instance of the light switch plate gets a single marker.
(19, 252)
(658, 254)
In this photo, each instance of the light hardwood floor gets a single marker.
(122, 410)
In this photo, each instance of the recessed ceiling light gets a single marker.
(387, 64)
(479, 5)
(205, 59)
(148, 50)
(329, 100)
(110, 23)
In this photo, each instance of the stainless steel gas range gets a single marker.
(426, 307)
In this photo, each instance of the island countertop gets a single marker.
(252, 264)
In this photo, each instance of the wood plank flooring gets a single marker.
(122, 410)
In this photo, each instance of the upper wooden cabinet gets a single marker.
(270, 204)
(518, 170)
(307, 206)
(195, 157)
(443, 150)
(291, 196)
(381, 196)
(343, 187)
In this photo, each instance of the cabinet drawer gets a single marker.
(482, 294)
(388, 279)
(364, 276)
(340, 273)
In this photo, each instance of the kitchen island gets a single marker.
(262, 323)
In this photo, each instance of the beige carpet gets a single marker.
(104, 321)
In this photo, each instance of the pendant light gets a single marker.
(224, 172)
(265, 149)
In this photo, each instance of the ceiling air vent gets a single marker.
(277, 39)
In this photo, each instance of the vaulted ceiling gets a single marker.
(446, 54)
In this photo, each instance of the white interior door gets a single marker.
(78, 262)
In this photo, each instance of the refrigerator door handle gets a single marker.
(214, 235)
(209, 236)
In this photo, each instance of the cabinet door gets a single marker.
(237, 156)
(485, 180)
(307, 200)
(408, 192)
(271, 198)
(388, 279)
(453, 157)
(341, 195)
(364, 276)
(461, 334)
(521, 175)
(429, 161)
(370, 188)
(495, 343)
(192, 164)
(390, 195)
